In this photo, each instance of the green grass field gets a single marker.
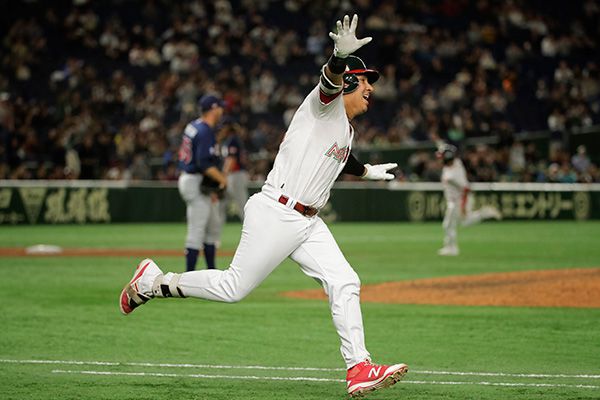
(63, 337)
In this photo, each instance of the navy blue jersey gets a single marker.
(233, 147)
(198, 149)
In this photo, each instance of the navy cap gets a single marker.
(209, 102)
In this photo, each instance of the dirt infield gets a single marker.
(578, 287)
(96, 252)
(548, 288)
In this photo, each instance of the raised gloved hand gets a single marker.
(345, 40)
(379, 172)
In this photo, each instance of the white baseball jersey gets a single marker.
(314, 150)
(454, 180)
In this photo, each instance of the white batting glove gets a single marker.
(379, 172)
(345, 40)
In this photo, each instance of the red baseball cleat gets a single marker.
(139, 289)
(366, 377)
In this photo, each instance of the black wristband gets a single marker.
(336, 65)
(353, 166)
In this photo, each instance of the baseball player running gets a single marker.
(282, 220)
(459, 202)
(199, 162)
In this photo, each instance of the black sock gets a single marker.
(191, 257)
(209, 255)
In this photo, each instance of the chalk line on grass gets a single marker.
(312, 379)
(283, 368)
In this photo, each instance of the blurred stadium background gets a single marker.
(102, 89)
(94, 96)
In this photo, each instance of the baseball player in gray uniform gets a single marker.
(234, 166)
(459, 201)
(200, 181)
(282, 220)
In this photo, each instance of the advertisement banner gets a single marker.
(38, 202)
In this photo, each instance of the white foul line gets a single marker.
(163, 375)
(168, 365)
(275, 368)
(502, 384)
(303, 378)
(586, 376)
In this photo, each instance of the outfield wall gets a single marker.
(58, 202)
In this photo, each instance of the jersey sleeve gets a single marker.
(326, 99)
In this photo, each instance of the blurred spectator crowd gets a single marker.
(519, 162)
(103, 89)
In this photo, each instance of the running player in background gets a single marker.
(282, 220)
(199, 162)
(459, 201)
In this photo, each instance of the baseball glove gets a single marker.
(209, 186)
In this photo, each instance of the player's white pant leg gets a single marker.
(485, 212)
(451, 220)
(269, 234)
(472, 217)
(321, 258)
(198, 208)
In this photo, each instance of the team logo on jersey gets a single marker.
(339, 155)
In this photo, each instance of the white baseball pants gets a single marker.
(204, 221)
(272, 232)
(453, 217)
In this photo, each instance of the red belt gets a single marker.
(307, 211)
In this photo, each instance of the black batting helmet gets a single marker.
(354, 67)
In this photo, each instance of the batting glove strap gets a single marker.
(379, 172)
